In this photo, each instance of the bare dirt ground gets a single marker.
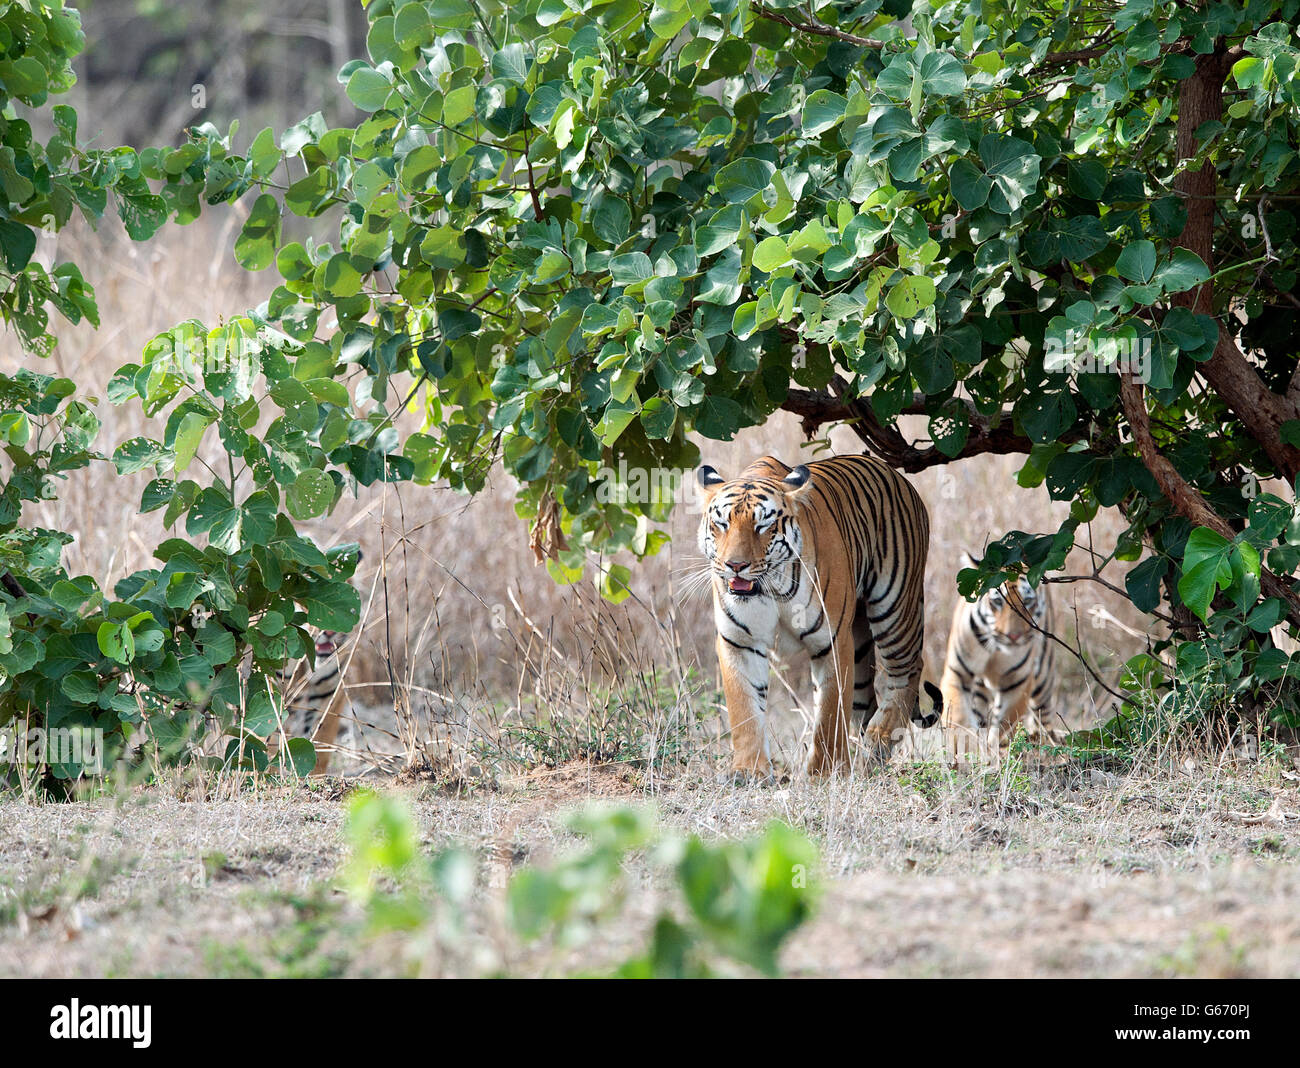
(1057, 871)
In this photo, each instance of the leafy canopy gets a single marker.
(573, 234)
(588, 233)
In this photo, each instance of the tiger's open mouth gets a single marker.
(741, 585)
(325, 645)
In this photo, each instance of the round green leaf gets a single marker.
(911, 296)
(310, 495)
(368, 89)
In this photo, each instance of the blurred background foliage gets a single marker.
(263, 64)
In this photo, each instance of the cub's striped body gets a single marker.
(1000, 670)
(314, 697)
(830, 558)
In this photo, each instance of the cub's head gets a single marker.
(1009, 614)
(749, 526)
(328, 642)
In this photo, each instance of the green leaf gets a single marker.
(1184, 270)
(310, 195)
(137, 454)
(1143, 583)
(631, 268)
(667, 17)
(950, 428)
(1012, 166)
(942, 75)
(24, 77)
(1087, 178)
(188, 435)
(458, 105)
(311, 494)
(302, 756)
(1266, 615)
(616, 584)
(613, 220)
(443, 247)
(341, 279)
(511, 64)
(297, 401)
(18, 243)
(368, 89)
(255, 248)
(263, 153)
(1137, 262)
(1206, 568)
(770, 254)
(822, 110)
(910, 297)
(720, 232)
(744, 179)
(116, 642)
(1046, 414)
(970, 185)
(331, 606)
(719, 418)
(1250, 72)
(81, 687)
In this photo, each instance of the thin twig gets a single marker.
(820, 29)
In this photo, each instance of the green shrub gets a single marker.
(738, 901)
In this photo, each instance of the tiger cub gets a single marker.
(827, 557)
(999, 673)
(314, 697)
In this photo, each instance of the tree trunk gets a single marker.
(1229, 373)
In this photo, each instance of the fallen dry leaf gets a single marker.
(1275, 814)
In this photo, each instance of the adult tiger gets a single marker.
(830, 557)
(1000, 670)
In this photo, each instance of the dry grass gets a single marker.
(456, 612)
(1047, 872)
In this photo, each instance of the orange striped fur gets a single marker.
(1000, 671)
(828, 558)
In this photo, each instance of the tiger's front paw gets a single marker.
(749, 764)
(748, 774)
(879, 745)
(824, 762)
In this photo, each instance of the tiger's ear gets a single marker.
(797, 481)
(708, 480)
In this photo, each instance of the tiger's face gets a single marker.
(1009, 614)
(328, 642)
(749, 529)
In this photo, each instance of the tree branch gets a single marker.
(1085, 55)
(532, 187)
(818, 28)
(1186, 500)
(816, 408)
(1048, 62)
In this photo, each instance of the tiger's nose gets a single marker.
(737, 565)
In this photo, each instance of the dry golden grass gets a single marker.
(1047, 873)
(455, 607)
